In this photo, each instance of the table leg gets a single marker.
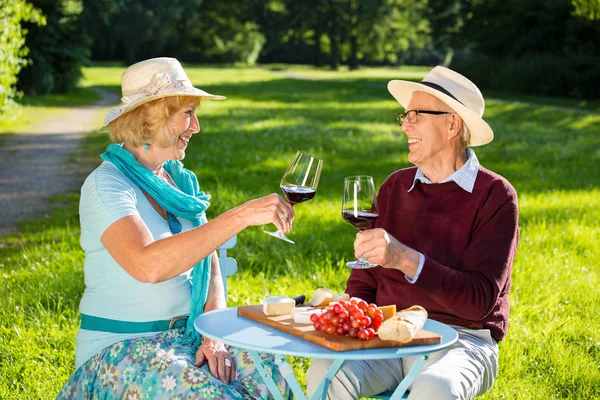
(321, 392)
(266, 375)
(288, 373)
(409, 378)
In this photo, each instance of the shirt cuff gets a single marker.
(419, 269)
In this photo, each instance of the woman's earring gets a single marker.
(146, 147)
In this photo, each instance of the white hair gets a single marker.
(465, 136)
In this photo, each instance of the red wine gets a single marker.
(298, 194)
(361, 220)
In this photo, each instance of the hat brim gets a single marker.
(481, 132)
(116, 112)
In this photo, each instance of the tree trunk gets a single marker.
(334, 62)
(333, 31)
(353, 59)
(317, 50)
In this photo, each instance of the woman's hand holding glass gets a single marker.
(269, 209)
(299, 184)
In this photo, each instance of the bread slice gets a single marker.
(403, 326)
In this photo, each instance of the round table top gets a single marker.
(226, 326)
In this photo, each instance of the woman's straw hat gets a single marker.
(153, 79)
(457, 92)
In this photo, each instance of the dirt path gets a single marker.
(36, 165)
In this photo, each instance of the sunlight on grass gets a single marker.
(552, 350)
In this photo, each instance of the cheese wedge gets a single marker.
(278, 305)
(388, 311)
(302, 315)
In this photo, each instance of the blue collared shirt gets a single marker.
(464, 177)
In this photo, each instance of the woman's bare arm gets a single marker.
(131, 244)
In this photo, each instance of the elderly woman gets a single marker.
(150, 262)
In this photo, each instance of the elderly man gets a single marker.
(445, 239)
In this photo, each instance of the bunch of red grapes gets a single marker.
(355, 318)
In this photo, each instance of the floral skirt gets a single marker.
(158, 368)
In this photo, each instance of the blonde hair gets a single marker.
(150, 122)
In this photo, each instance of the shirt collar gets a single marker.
(464, 177)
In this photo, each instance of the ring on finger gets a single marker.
(228, 363)
(284, 217)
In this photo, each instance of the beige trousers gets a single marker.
(463, 371)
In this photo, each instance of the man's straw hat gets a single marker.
(457, 92)
(150, 80)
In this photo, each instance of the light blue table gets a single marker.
(227, 326)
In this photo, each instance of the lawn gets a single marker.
(550, 155)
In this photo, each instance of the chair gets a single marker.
(228, 264)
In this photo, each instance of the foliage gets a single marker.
(344, 31)
(192, 30)
(13, 52)
(131, 31)
(535, 47)
(553, 344)
(513, 28)
(58, 50)
(535, 74)
(222, 32)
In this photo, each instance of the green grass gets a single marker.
(552, 350)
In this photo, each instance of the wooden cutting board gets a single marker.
(286, 324)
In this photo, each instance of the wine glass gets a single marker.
(360, 209)
(299, 183)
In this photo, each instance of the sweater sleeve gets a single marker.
(471, 289)
(362, 284)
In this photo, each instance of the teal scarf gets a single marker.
(187, 202)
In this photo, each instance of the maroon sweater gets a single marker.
(469, 241)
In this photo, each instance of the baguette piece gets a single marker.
(341, 296)
(321, 297)
(403, 326)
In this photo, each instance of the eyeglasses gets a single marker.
(412, 116)
(174, 224)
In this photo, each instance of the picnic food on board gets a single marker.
(278, 305)
(354, 318)
(403, 326)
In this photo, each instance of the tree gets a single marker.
(58, 49)
(446, 19)
(222, 32)
(12, 48)
(131, 31)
